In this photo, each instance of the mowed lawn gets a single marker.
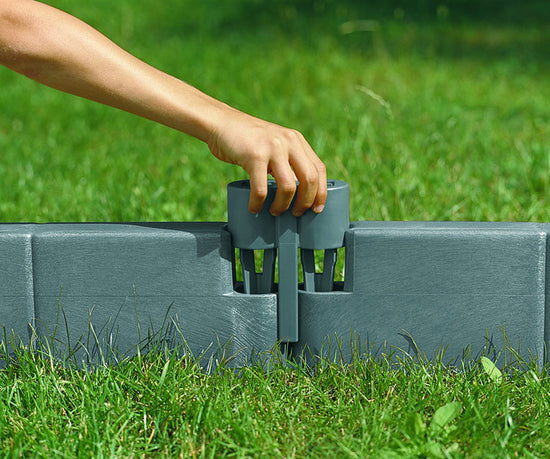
(430, 112)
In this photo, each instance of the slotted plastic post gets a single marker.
(250, 232)
(324, 231)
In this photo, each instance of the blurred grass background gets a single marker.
(430, 110)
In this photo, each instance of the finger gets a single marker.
(286, 188)
(321, 197)
(312, 181)
(307, 191)
(258, 188)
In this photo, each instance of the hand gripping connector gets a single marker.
(284, 234)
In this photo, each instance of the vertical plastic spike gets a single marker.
(267, 279)
(287, 242)
(326, 278)
(318, 282)
(249, 270)
(308, 268)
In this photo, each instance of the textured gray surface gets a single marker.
(457, 286)
(16, 283)
(430, 286)
(113, 286)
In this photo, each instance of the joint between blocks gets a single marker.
(287, 234)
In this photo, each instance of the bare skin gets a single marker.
(60, 51)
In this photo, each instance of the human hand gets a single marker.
(46, 44)
(263, 148)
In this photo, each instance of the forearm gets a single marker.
(63, 52)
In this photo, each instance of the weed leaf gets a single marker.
(491, 370)
(433, 449)
(416, 425)
(444, 416)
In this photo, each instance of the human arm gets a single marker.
(60, 51)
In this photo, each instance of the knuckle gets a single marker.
(294, 136)
(260, 193)
(273, 142)
(287, 187)
(257, 156)
(309, 179)
(321, 168)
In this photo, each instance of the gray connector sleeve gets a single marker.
(286, 233)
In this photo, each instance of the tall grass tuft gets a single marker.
(164, 401)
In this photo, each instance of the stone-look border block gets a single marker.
(415, 286)
(428, 287)
(105, 289)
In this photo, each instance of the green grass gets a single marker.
(429, 114)
(426, 120)
(163, 405)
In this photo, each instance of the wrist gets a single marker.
(198, 114)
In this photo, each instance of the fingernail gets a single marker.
(319, 208)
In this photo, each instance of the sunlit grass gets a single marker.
(426, 119)
(461, 135)
(162, 404)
